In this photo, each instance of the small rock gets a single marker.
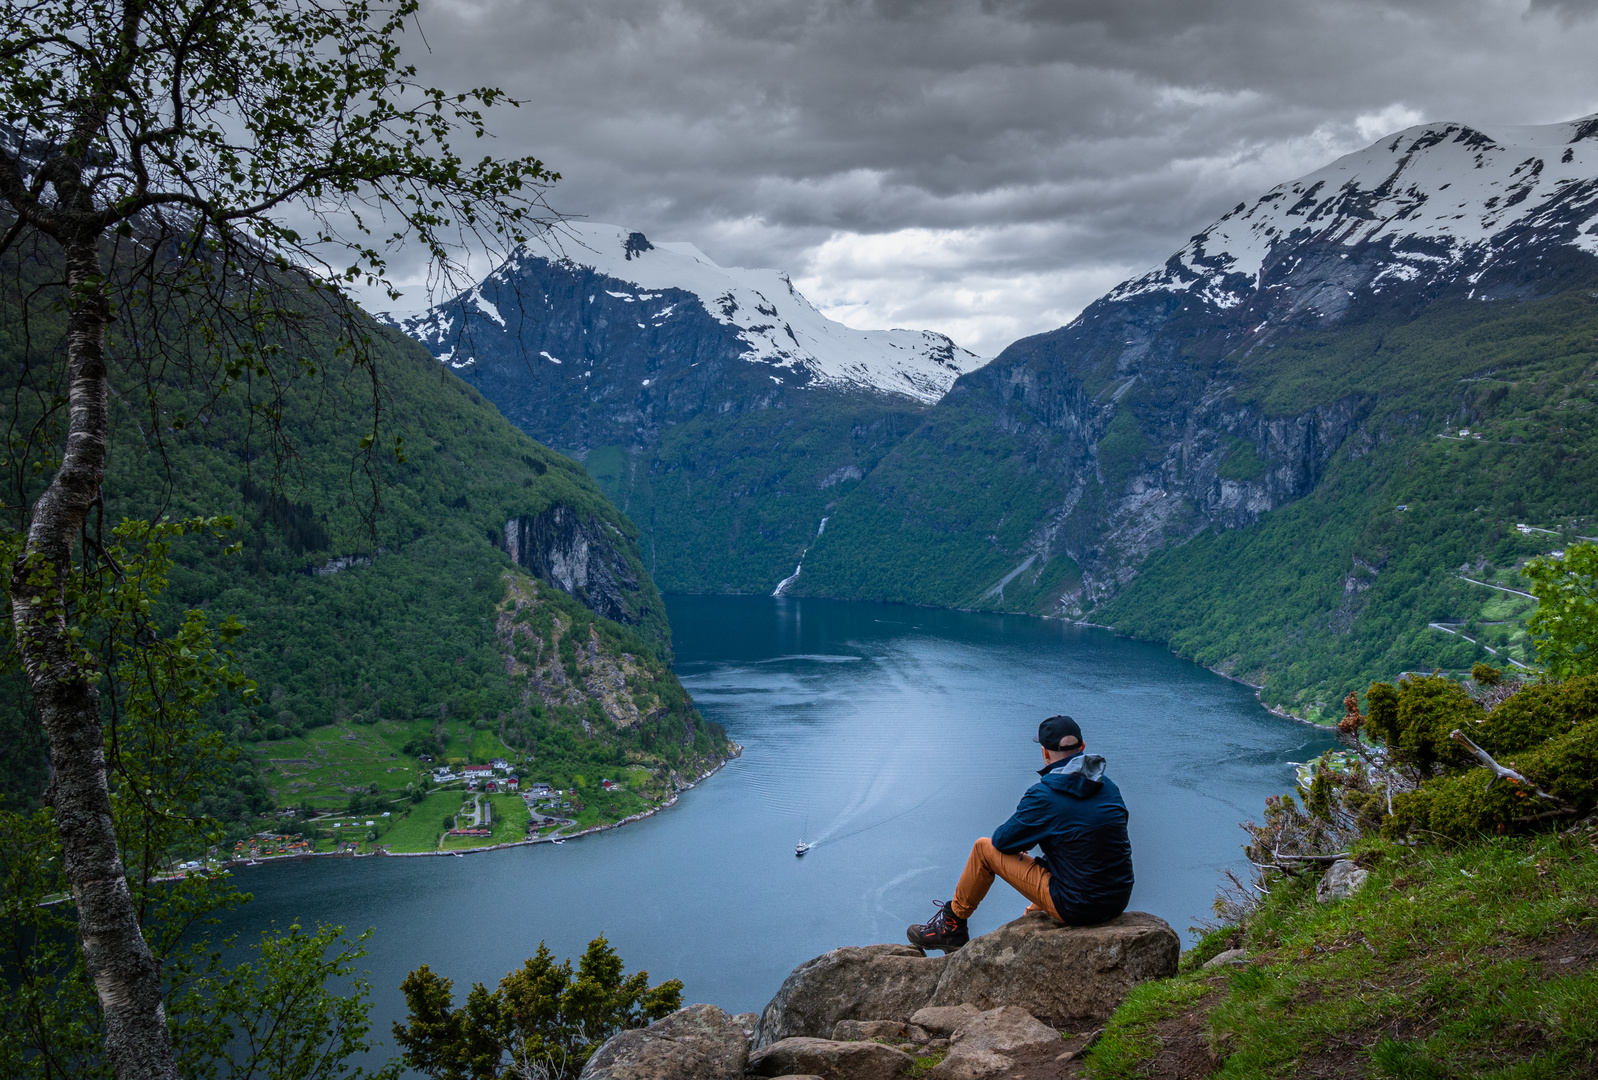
(700, 1042)
(828, 1059)
(943, 1019)
(970, 1063)
(937, 1045)
(1005, 1030)
(1060, 973)
(862, 1030)
(1343, 879)
(800, 1076)
(1230, 956)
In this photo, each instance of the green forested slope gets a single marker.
(1327, 594)
(403, 635)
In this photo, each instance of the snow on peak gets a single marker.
(1435, 194)
(777, 325)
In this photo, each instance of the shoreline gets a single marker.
(602, 827)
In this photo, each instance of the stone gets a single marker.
(748, 1021)
(943, 1019)
(1006, 1030)
(1230, 956)
(828, 1059)
(1059, 974)
(874, 982)
(800, 1076)
(700, 1042)
(1343, 879)
(862, 1030)
(970, 1064)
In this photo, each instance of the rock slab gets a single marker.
(1059, 974)
(876, 982)
(1343, 879)
(969, 1063)
(862, 1030)
(1006, 1030)
(1230, 956)
(700, 1042)
(943, 1019)
(828, 1059)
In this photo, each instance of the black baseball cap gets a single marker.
(1053, 731)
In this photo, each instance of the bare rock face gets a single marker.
(1006, 1030)
(1343, 879)
(943, 1019)
(748, 1022)
(1059, 973)
(828, 1059)
(876, 982)
(700, 1042)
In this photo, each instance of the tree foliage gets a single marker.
(543, 1022)
(1566, 621)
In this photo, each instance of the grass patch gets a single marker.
(1474, 960)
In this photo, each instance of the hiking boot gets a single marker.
(946, 931)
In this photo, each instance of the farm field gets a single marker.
(327, 765)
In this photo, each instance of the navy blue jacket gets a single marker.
(1076, 815)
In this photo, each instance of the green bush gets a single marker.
(1414, 719)
(1547, 732)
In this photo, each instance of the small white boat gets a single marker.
(800, 848)
(560, 841)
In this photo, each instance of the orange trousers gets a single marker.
(1025, 874)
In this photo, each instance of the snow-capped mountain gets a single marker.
(1439, 202)
(774, 323)
(1228, 382)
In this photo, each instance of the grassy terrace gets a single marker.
(1471, 960)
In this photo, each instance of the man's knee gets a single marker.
(984, 848)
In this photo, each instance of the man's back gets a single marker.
(1076, 815)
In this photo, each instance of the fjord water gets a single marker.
(887, 736)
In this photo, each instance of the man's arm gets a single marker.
(1028, 825)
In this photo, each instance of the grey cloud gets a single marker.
(1079, 138)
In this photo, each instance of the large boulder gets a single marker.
(876, 982)
(1059, 974)
(832, 1060)
(700, 1042)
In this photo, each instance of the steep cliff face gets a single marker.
(585, 558)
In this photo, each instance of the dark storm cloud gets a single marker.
(983, 167)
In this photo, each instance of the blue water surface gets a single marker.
(889, 737)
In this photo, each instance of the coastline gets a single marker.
(604, 826)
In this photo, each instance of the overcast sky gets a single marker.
(984, 168)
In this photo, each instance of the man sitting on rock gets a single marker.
(1076, 815)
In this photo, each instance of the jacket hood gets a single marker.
(1082, 776)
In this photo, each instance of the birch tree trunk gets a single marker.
(125, 973)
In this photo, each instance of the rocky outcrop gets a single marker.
(700, 1042)
(582, 556)
(1061, 974)
(832, 1060)
(1058, 974)
(877, 982)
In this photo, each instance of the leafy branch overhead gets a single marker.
(230, 113)
(205, 179)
